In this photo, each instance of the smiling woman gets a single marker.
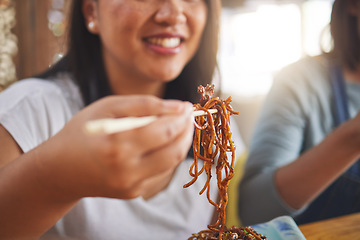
(185, 66)
(151, 30)
(124, 59)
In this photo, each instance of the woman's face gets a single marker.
(147, 39)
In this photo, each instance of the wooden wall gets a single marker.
(36, 43)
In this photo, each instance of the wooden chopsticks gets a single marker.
(114, 125)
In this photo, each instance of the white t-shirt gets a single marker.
(33, 110)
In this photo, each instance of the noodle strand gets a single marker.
(212, 143)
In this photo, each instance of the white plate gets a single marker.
(280, 228)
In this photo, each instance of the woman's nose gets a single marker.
(170, 12)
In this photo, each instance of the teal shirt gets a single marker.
(297, 115)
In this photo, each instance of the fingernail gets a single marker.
(173, 106)
(189, 107)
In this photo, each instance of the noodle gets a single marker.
(212, 141)
(243, 233)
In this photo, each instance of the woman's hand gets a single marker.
(39, 187)
(118, 165)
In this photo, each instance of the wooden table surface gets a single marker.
(340, 228)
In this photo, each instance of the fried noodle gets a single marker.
(212, 142)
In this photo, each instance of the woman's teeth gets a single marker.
(165, 42)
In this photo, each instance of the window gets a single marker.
(259, 39)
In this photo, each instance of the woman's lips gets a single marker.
(164, 45)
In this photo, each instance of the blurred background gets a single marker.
(32, 36)
(258, 38)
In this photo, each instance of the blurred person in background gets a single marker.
(304, 155)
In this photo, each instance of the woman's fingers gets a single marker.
(158, 133)
(125, 106)
(141, 158)
(168, 156)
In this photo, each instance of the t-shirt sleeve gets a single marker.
(32, 111)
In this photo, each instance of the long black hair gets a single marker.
(84, 59)
(345, 32)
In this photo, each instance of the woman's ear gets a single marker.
(89, 8)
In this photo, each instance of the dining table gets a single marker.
(339, 228)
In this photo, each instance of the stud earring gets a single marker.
(91, 25)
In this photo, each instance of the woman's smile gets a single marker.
(164, 44)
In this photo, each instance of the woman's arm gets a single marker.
(27, 207)
(12, 148)
(39, 187)
(301, 181)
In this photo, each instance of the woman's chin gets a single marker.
(166, 72)
(168, 77)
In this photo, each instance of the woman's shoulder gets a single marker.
(308, 65)
(33, 109)
(310, 74)
(29, 86)
(25, 90)
(59, 82)
(60, 87)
